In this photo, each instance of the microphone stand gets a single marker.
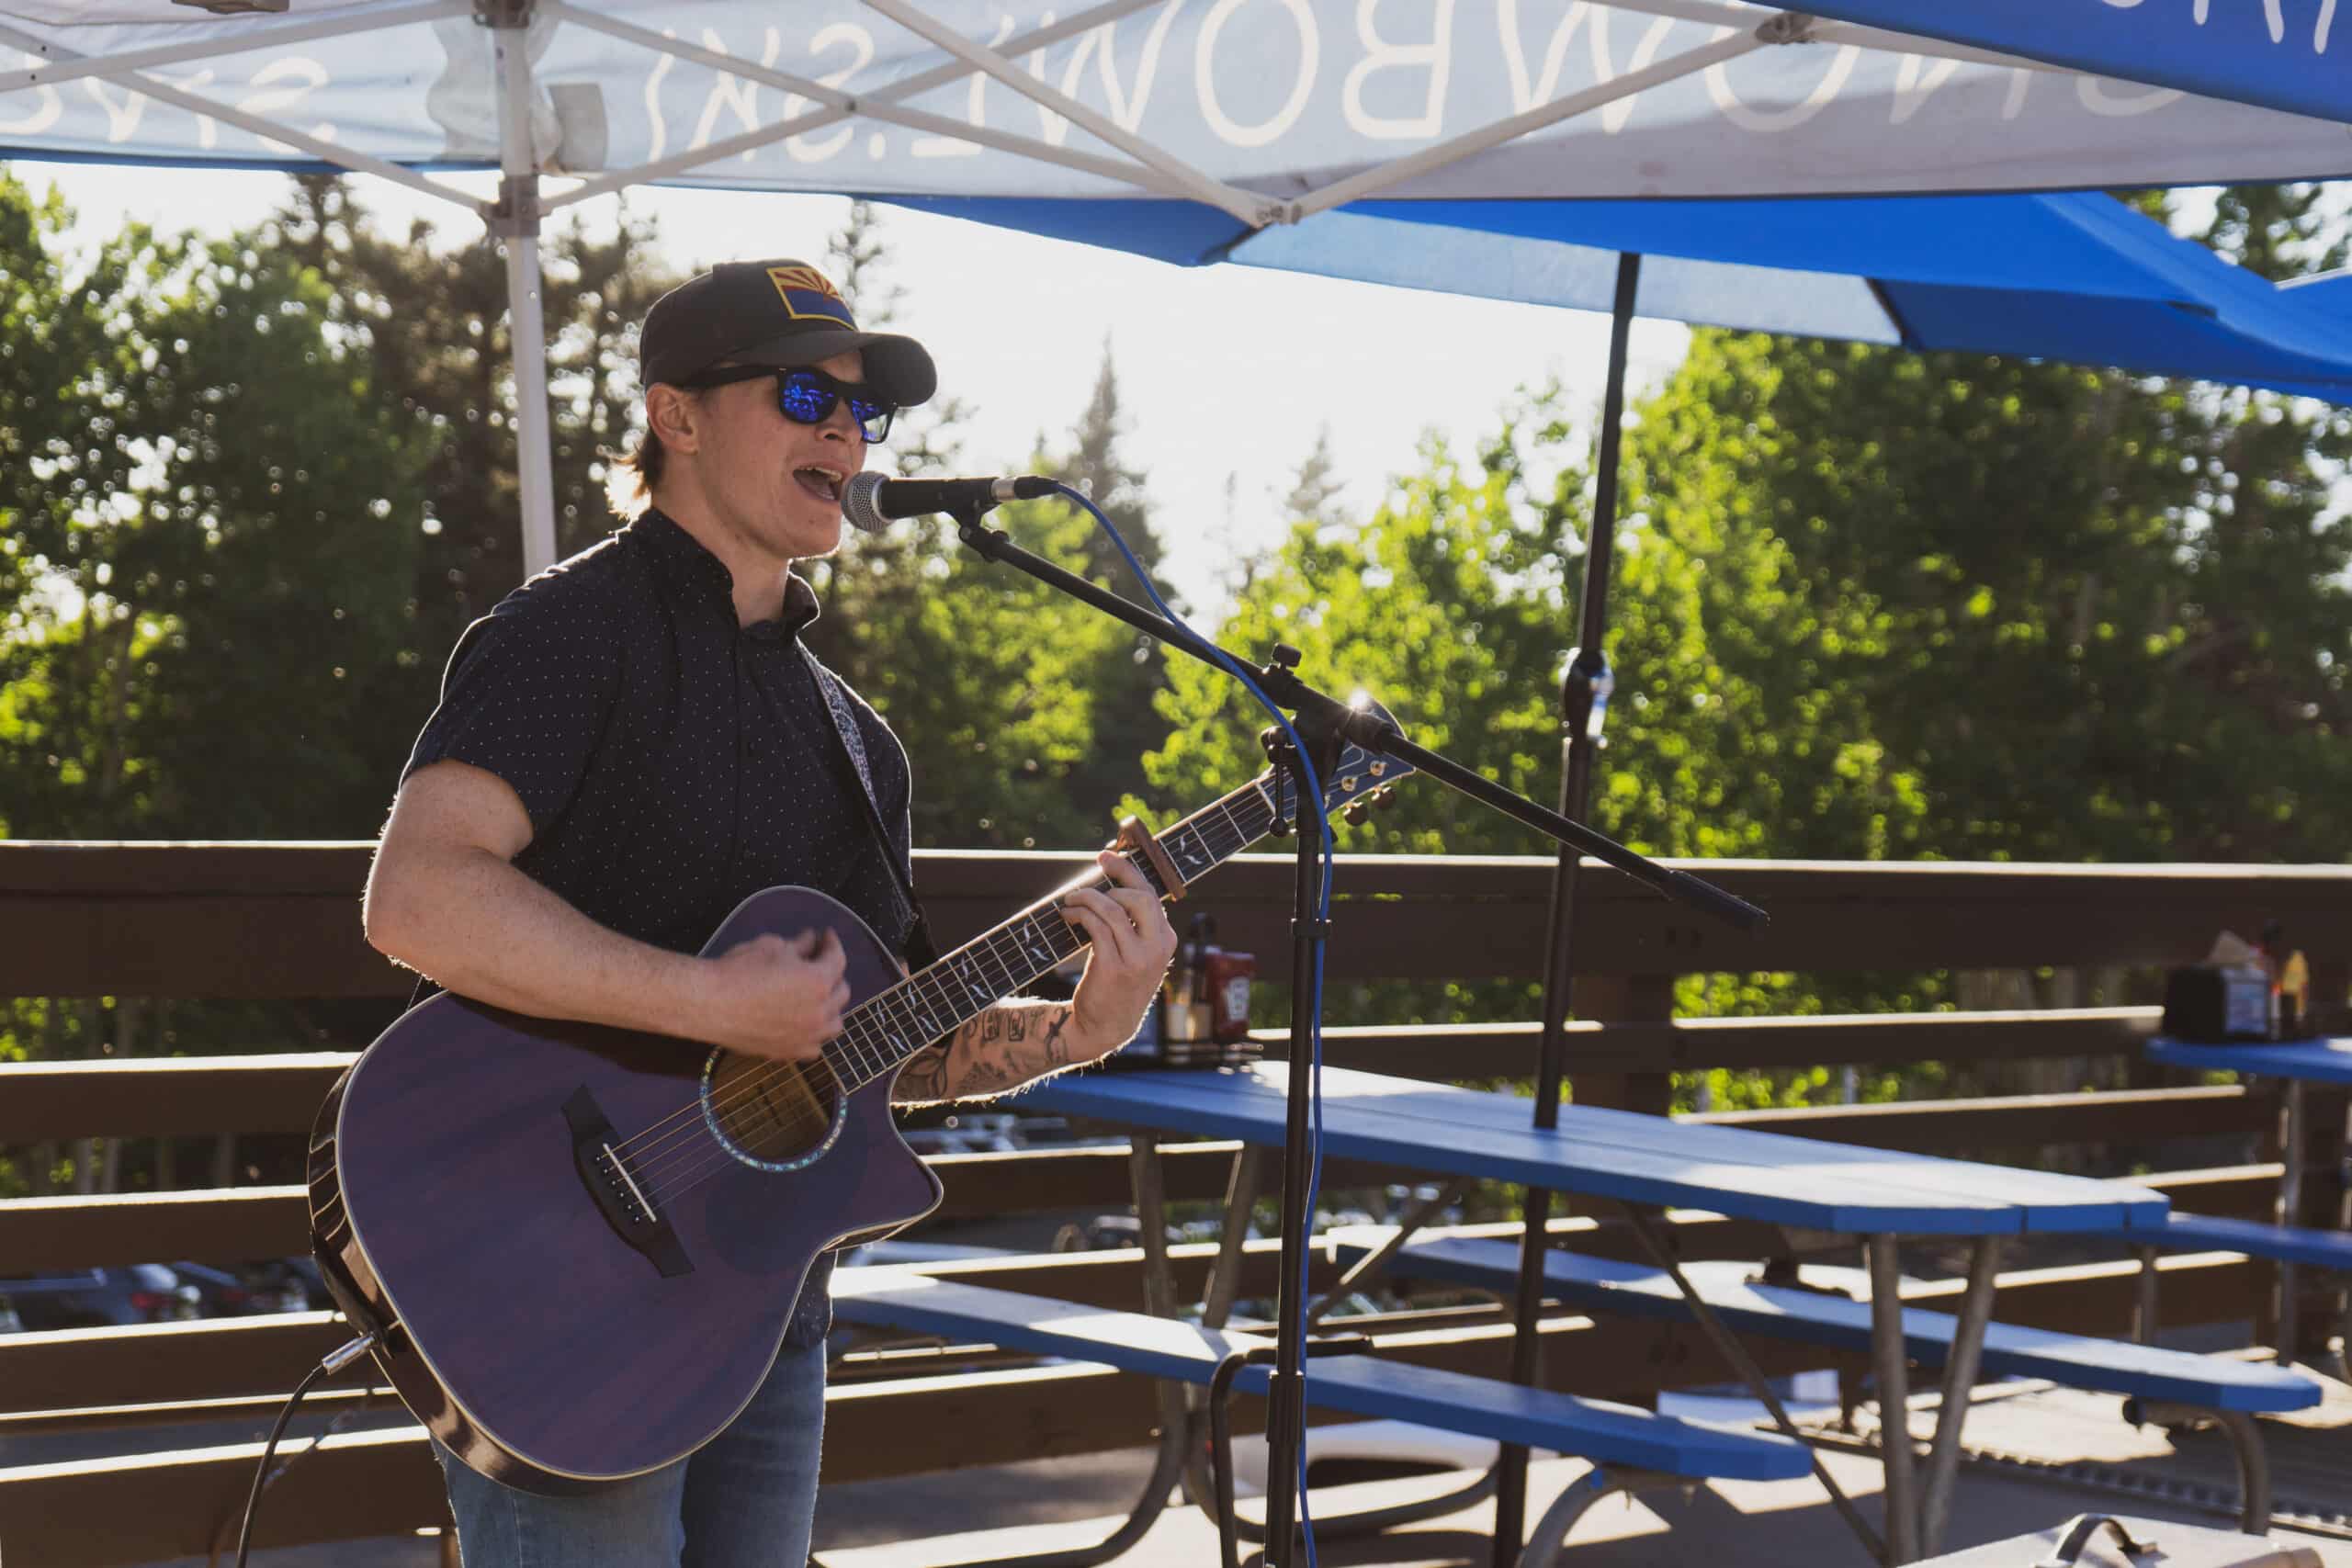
(1322, 722)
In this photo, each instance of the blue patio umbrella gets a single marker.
(2077, 275)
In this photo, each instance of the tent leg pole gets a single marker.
(1576, 693)
(517, 225)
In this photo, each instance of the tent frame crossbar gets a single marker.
(1247, 207)
(217, 45)
(267, 130)
(1826, 32)
(1398, 170)
(840, 106)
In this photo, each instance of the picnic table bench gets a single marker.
(2296, 1063)
(1652, 1163)
(1629, 1448)
(2160, 1381)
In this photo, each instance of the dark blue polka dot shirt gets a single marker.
(672, 761)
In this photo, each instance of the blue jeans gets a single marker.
(745, 1499)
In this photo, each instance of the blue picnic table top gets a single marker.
(1623, 1154)
(2310, 1061)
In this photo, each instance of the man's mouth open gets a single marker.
(821, 482)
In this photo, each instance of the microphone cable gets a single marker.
(1315, 1014)
(263, 1475)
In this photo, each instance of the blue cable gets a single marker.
(1315, 952)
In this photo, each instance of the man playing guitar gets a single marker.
(635, 741)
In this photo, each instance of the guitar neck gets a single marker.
(886, 1029)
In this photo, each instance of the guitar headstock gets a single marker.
(1352, 786)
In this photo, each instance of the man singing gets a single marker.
(635, 740)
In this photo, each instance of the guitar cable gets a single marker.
(1322, 918)
(332, 1363)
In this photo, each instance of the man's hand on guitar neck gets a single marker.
(1017, 1042)
(1132, 945)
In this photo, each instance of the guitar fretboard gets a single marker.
(886, 1029)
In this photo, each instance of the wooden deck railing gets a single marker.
(281, 920)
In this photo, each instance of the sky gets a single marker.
(1225, 373)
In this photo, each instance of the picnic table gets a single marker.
(2295, 1063)
(1652, 1163)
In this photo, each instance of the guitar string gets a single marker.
(665, 1172)
(871, 1044)
(986, 948)
(930, 994)
(680, 1176)
(876, 1058)
(872, 1054)
(683, 1174)
(664, 1162)
(716, 1157)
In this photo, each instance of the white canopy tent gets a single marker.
(1271, 111)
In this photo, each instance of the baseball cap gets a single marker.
(773, 313)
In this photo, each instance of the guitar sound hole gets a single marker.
(774, 1115)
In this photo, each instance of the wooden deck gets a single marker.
(2045, 1455)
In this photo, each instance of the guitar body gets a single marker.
(558, 1321)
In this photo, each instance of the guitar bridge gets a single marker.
(613, 1188)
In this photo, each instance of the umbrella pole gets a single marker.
(1579, 686)
(517, 226)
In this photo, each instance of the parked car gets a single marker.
(890, 1251)
(1107, 1233)
(91, 1298)
(248, 1290)
(1365, 1450)
(304, 1272)
(967, 1132)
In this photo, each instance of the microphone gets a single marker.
(870, 500)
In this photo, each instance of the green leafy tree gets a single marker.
(433, 317)
(1446, 605)
(228, 534)
(1876, 605)
(1984, 608)
(1025, 714)
(211, 536)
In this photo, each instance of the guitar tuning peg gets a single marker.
(1356, 812)
(1386, 798)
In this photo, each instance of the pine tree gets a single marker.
(1135, 669)
(1315, 490)
(1096, 467)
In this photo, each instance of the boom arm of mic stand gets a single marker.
(1372, 733)
(1377, 734)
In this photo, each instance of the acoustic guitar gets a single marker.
(578, 1246)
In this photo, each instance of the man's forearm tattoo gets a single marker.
(1010, 1044)
(924, 1077)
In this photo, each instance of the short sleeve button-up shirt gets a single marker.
(673, 763)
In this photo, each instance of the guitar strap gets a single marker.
(921, 953)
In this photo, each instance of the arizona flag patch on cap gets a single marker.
(807, 292)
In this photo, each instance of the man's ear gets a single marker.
(675, 415)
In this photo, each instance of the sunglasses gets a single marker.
(808, 396)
